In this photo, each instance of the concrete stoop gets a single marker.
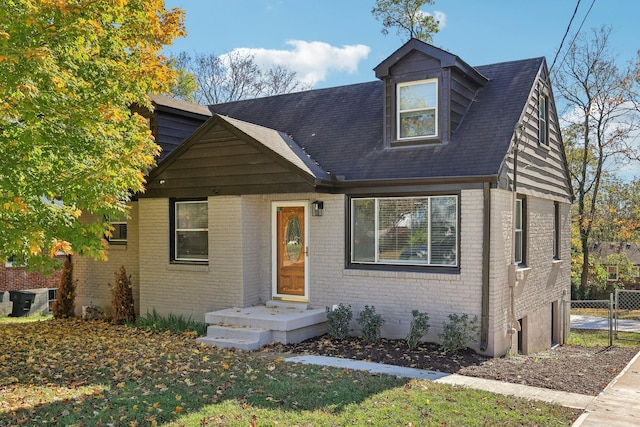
(251, 328)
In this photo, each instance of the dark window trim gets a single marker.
(523, 212)
(543, 134)
(444, 269)
(441, 112)
(172, 230)
(556, 231)
(120, 242)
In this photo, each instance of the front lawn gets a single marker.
(83, 373)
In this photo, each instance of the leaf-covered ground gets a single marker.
(90, 373)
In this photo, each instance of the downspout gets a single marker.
(515, 325)
(486, 264)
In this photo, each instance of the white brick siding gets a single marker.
(93, 277)
(239, 272)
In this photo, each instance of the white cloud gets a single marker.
(441, 17)
(311, 61)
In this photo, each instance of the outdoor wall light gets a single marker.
(317, 208)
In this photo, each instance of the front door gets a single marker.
(291, 252)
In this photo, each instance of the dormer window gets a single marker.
(417, 109)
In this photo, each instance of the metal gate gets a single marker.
(627, 312)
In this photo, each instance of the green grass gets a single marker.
(75, 372)
(600, 338)
(34, 317)
(172, 323)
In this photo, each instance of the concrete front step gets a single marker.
(274, 318)
(230, 343)
(241, 338)
(251, 328)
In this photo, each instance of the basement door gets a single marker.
(290, 249)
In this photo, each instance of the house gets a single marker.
(621, 260)
(14, 278)
(439, 187)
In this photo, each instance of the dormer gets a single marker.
(427, 93)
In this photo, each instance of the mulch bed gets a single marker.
(576, 369)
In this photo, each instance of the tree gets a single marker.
(603, 105)
(65, 303)
(70, 143)
(233, 77)
(618, 212)
(407, 17)
(185, 86)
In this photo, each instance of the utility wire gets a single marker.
(574, 36)
(565, 36)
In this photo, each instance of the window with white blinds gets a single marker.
(405, 230)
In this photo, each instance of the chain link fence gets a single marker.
(617, 315)
(593, 314)
(627, 313)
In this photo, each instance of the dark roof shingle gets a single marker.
(341, 128)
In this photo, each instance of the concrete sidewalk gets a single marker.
(571, 400)
(579, 321)
(617, 405)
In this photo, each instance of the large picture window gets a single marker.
(417, 109)
(190, 231)
(405, 230)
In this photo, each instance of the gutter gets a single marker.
(486, 265)
(340, 182)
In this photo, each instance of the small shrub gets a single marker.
(371, 323)
(458, 333)
(65, 303)
(338, 321)
(122, 299)
(171, 323)
(418, 329)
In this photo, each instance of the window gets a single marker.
(556, 230)
(190, 231)
(417, 109)
(612, 273)
(52, 296)
(117, 230)
(543, 120)
(405, 230)
(520, 233)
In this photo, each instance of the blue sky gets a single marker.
(331, 43)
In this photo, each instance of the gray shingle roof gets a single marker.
(341, 128)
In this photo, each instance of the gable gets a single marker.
(227, 157)
(338, 134)
(456, 84)
(542, 166)
(173, 121)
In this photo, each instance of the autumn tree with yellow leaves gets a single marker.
(70, 143)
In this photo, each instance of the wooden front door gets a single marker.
(291, 252)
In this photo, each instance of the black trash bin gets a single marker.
(21, 302)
